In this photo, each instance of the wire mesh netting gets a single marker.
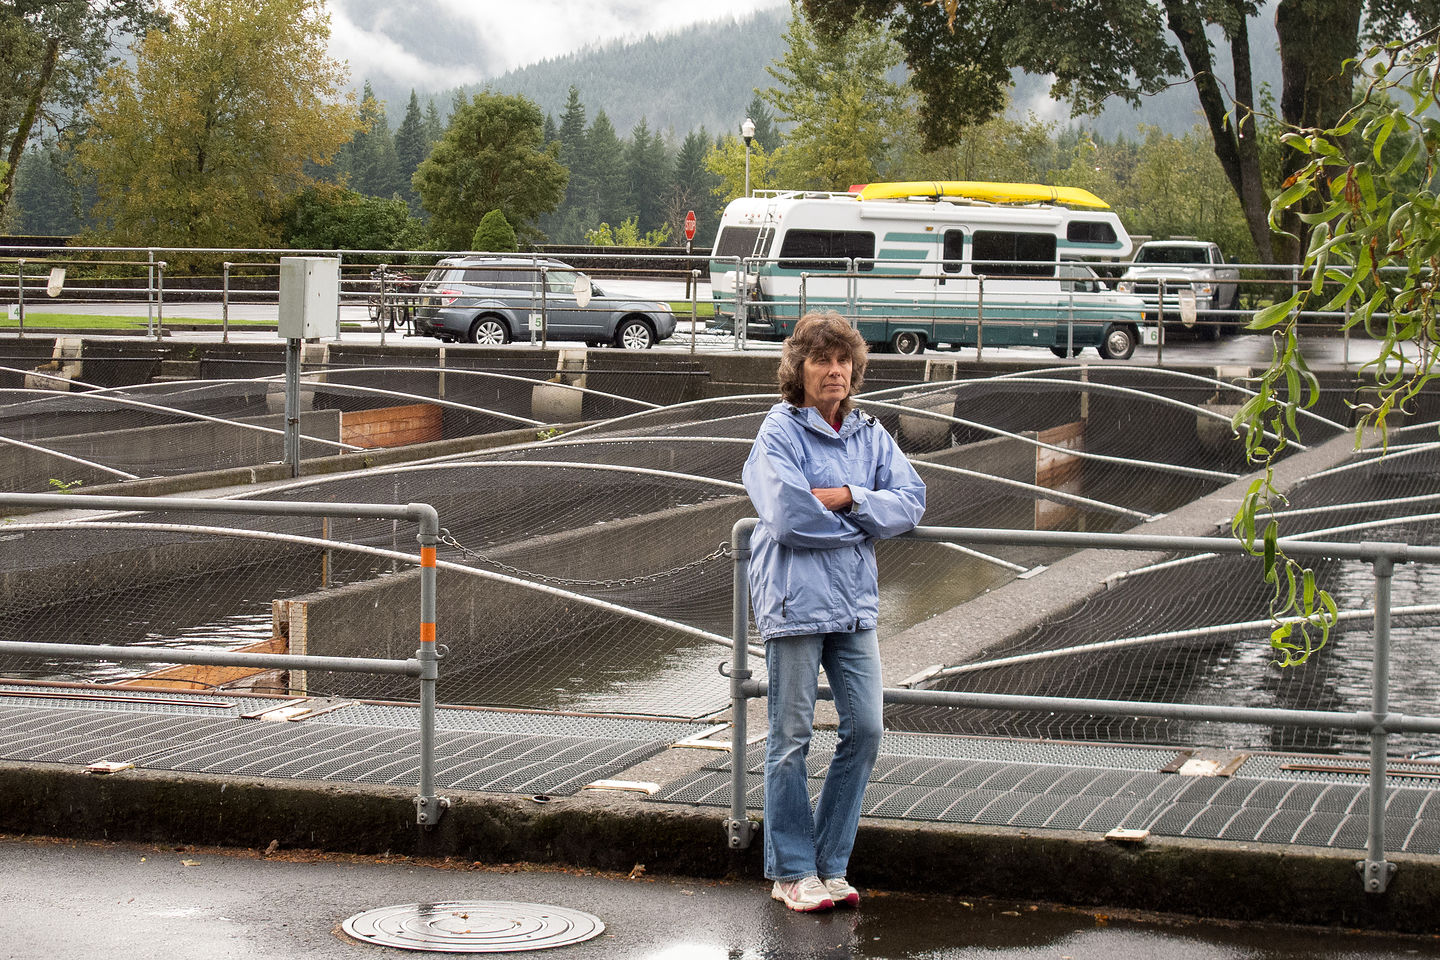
(1196, 630)
(582, 573)
(93, 435)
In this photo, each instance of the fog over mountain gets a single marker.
(679, 65)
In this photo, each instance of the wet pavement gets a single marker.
(64, 899)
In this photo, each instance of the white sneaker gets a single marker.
(841, 892)
(805, 894)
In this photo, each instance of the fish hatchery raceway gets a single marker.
(586, 609)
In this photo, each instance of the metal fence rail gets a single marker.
(1379, 720)
(424, 665)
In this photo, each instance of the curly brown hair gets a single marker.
(816, 337)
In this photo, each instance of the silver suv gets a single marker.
(494, 300)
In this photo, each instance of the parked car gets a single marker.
(492, 300)
(1193, 265)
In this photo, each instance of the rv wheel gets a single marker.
(1118, 342)
(908, 342)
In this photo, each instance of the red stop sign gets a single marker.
(689, 224)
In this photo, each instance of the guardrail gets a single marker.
(424, 665)
(1379, 721)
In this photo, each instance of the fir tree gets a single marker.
(410, 148)
(767, 134)
(609, 195)
(647, 173)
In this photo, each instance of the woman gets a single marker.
(826, 481)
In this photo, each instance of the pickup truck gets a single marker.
(1185, 264)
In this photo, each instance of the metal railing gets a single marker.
(425, 665)
(1379, 721)
(389, 291)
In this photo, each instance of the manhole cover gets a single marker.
(473, 926)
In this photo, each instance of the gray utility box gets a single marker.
(309, 297)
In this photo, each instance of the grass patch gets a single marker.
(91, 321)
(703, 308)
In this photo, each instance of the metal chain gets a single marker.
(721, 551)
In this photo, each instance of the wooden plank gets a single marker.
(1058, 470)
(195, 676)
(392, 426)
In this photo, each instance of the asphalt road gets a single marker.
(62, 899)
(1181, 347)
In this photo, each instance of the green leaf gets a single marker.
(1274, 314)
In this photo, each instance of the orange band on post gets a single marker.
(427, 633)
(427, 556)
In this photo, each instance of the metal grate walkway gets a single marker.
(507, 752)
(1096, 788)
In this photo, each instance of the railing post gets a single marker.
(979, 317)
(739, 828)
(160, 299)
(384, 303)
(428, 807)
(544, 309)
(694, 283)
(225, 303)
(1375, 870)
(20, 295)
(741, 305)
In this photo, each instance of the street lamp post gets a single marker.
(747, 130)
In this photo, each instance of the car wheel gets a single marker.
(1118, 342)
(908, 342)
(634, 334)
(1062, 353)
(490, 331)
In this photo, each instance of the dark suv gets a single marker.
(493, 300)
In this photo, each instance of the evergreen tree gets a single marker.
(551, 132)
(494, 235)
(369, 159)
(836, 92)
(574, 215)
(434, 127)
(47, 202)
(692, 188)
(609, 195)
(767, 134)
(647, 172)
(410, 148)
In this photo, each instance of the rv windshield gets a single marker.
(736, 242)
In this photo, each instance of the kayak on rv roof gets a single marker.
(980, 190)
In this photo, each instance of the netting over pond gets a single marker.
(582, 573)
(87, 435)
(1197, 630)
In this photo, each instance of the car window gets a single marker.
(561, 281)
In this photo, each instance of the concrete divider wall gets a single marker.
(193, 446)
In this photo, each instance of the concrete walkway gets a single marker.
(67, 900)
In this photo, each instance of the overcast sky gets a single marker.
(510, 33)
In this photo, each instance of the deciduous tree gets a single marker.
(51, 53)
(199, 143)
(491, 158)
(961, 57)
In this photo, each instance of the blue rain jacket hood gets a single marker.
(812, 570)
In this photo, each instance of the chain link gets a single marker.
(721, 551)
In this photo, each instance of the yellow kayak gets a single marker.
(983, 190)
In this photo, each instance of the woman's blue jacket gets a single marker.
(812, 570)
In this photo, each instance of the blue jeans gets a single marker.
(799, 842)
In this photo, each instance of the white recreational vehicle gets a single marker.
(945, 264)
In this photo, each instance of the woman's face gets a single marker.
(827, 380)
